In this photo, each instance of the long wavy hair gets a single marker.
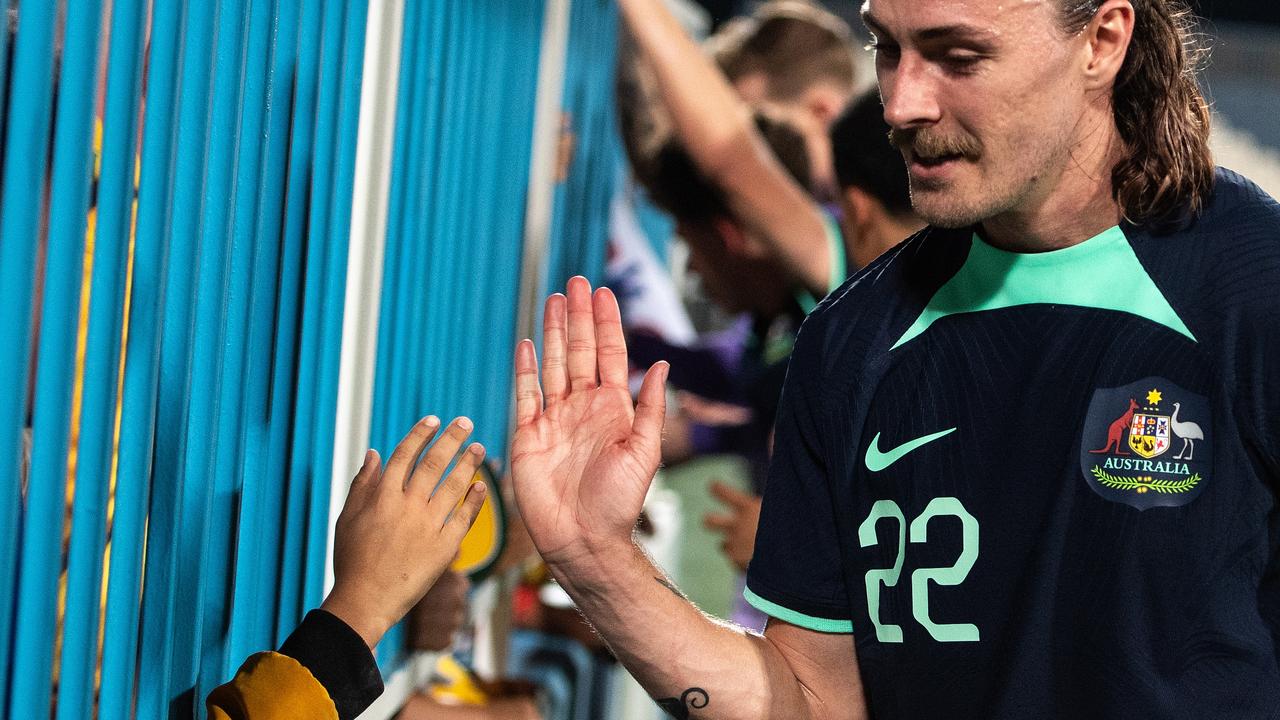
(1167, 172)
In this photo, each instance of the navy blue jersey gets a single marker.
(1042, 485)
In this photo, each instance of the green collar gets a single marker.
(1101, 272)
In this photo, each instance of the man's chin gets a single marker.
(941, 210)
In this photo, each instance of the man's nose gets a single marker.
(910, 94)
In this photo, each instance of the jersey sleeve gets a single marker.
(267, 686)
(795, 573)
(1248, 291)
(323, 670)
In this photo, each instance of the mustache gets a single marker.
(932, 144)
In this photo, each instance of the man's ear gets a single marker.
(857, 206)
(735, 241)
(1109, 35)
(825, 102)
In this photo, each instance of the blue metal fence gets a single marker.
(468, 79)
(191, 271)
(581, 221)
(174, 216)
(459, 181)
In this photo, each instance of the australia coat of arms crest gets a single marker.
(1147, 444)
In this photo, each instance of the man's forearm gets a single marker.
(718, 131)
(692, 665)
(710, 119)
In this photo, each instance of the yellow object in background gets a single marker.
(454, 684)
(484, 543)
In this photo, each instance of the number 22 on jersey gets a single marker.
(920, 579)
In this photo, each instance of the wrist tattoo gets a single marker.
(692, 699)
(674, 590)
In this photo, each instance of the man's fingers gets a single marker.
(465, 515)
(651, 410)
(409, 449)
(582, 336)
(730, 496)
(454, 486)
(433, 463)
(611, 345)
(528, 392)
(718, 521)
(555, 377)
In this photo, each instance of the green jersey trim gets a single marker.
(1101, 273)
(822, 625)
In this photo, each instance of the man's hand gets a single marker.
(395, 536)
(583, 456)
(738, 524)
(712, 413)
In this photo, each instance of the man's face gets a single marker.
(734, 280)
(712, 263)
(984, 100)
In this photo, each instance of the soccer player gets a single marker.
(1027, 462)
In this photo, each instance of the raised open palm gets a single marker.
(583, 456)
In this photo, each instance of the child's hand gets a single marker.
(394, 537)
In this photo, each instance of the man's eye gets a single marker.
(881, 48)
(963, 62)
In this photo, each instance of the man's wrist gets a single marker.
(594, 568)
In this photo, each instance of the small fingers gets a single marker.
(366, 478)
(582, 336)
(611, 344)
(465, 515)
(528, 391)
(433, 463)
(407, 452)
(368, 469)
(446, 497)
(718, 521)
(730, 496)
(555, 378)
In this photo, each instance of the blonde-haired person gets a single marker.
(712, 109)
(396, 535)
(793, 59)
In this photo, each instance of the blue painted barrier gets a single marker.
(194, 266)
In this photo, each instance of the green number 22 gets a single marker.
(954, 575)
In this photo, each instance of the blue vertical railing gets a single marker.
(467, 86)
(455, 218)
(257, 557)
(97, 430)
(345, 80)
(139, 408)
(238, 398)
(67, 220)
(581, 221)
(29, 126)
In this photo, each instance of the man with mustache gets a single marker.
(947, 530)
